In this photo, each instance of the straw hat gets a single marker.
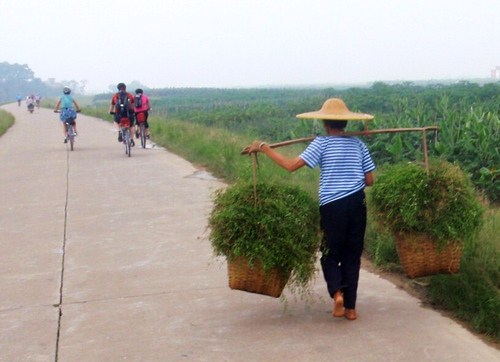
(336, 110)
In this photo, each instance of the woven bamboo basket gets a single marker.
(253, 279)
(419, 255)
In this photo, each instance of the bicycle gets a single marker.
(142, 128)
(70, 130)
(126, 136)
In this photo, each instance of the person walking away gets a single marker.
(69, 107)
(142, 108)
(345, 170)
(122, 107)
(19, 99)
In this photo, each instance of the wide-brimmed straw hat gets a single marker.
(336, 110)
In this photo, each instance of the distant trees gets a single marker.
(18, 79)
(16, 73)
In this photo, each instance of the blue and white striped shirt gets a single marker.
(343, 162)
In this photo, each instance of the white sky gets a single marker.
(244, 43)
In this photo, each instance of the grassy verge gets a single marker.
(473, 295)
(219, 151)
(6, 121)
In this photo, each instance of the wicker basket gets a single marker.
(254, 279)
(419, 255)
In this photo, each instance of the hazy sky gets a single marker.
(244, 43)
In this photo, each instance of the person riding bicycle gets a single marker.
(30, 103)
(122, 108)
(142, 106)
(30, 100)
(38, 99)
(68, 107)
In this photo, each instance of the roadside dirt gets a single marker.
(418, 289)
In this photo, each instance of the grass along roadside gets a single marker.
(473, 295)
(6, 121)
(219, 151)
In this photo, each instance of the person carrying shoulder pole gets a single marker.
(346, 168)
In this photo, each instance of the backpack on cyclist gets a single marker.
(122, 107)
(138, 100)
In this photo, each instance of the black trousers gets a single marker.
(343, 223)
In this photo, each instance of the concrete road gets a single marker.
(106, 258)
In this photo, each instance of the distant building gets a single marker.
(495, 73)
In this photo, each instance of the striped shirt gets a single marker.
(343, 162)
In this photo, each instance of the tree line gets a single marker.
(19, 80)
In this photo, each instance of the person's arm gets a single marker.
(369, 178)
(76, 106)
(289, 164)
(57, 105)
(131, 102)
(112, 105)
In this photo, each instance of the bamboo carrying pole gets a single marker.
(254, 167)
(366, 133)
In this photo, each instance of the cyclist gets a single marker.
(30, 103)
(68, 107)
(37, 100)
(122, 107)
(142, 105)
